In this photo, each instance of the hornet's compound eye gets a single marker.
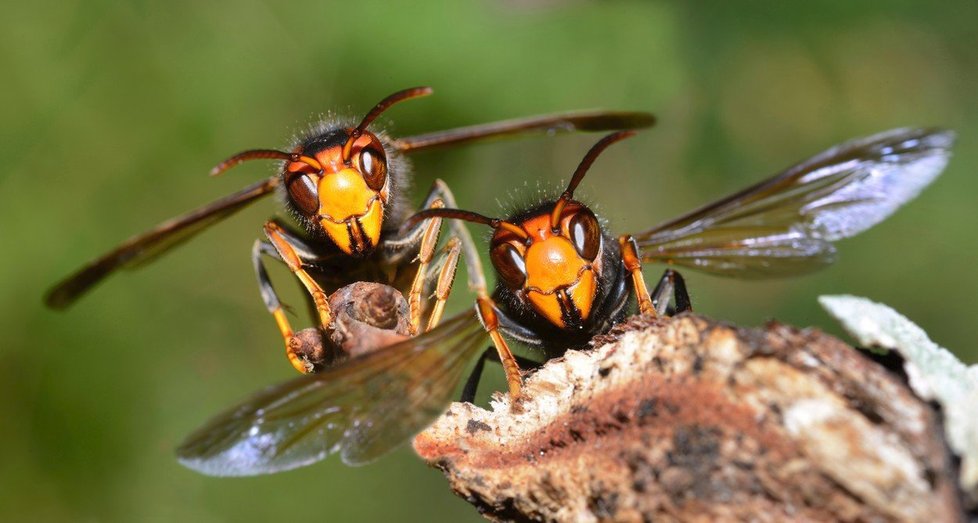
(509, 264)
(304, 194)
(585, 234)
(373, 166)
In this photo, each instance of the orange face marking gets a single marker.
(344, 195)
(350, 212)
(551, 264)
(566, 306)
(560, 284)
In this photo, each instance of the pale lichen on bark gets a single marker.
(934, 373)
(689, 419)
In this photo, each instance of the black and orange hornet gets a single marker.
(345, 186)
(563, 278)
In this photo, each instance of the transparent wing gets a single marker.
(785, 225)
(580, 121)
(147, 246)
(360, 409)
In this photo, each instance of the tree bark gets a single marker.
(689, 419)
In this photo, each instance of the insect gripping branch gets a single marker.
(689, 419)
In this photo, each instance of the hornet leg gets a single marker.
(274, 306)
(671, 283)
(446, 276)
(633, 264)
(426, 252)
(279, 243)
(477, 283)
(472, 383)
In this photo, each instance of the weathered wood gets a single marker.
(690, 419)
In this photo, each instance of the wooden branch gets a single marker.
(689, 419)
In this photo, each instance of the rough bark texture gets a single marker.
(689, 419)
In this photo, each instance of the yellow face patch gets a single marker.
(351, 213)
(552, 263)
(371, 222)
(560, 284)
(343, 195)
(568, 304)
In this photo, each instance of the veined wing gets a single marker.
(150, 244)
(360, 409)
(579, 121)
(785, 225)
(146, 246)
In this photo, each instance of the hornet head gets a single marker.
(338, 182)
(550, 257)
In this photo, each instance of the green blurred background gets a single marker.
(114, 111)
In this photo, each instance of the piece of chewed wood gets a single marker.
(366, 317)
(689, 419)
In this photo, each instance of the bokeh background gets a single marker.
(113, 112)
